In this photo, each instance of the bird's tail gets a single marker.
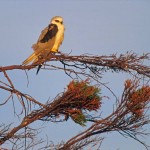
(31, 58)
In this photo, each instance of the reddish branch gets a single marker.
(129, 62)
(127, 119)
(21, 96)
(80, 97)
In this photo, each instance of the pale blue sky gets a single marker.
(95, 27)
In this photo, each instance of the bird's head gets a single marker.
(57, 20)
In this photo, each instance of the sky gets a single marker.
(99, 27)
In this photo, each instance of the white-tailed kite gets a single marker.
(49, 41)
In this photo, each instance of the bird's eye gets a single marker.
(57, 20)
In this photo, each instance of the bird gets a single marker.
(48, 42)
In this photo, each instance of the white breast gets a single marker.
(59, 38)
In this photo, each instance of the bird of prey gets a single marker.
(49, 41)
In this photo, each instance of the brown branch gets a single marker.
(125, 62)
(7, 77)
(22, 95)
(16, 67)
(126, 119)
(10, 88)
(67, 104)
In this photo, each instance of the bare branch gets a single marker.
(129, 62)
(80, 99)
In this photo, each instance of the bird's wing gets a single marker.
(43, 34)
(48, 33)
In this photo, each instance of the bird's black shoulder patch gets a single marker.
(51, 32)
